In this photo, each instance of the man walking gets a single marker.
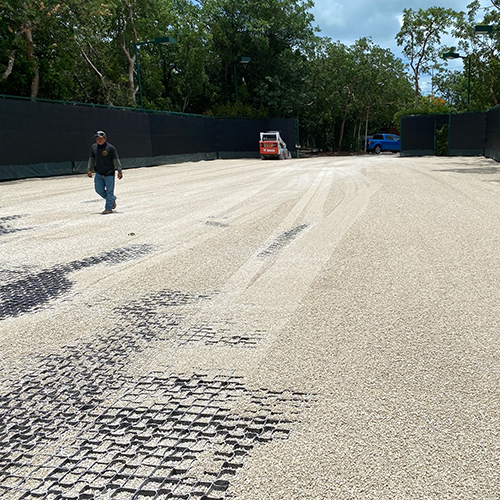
(104, 157)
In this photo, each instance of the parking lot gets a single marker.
(317, 328)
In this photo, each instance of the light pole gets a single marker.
(455, 55)
(240, 60)
(164, 40)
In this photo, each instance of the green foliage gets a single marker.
(354, 89)
(420, 38)
(85, 51)
(427, 105)
(483, 52)
(451, 86)
(238, 109)
(442, 138)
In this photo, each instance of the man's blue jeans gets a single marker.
(104, 186)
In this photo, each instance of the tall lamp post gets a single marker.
(240, 60)
(455, 55)
(164, 40)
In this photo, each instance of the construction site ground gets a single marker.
(318, 328)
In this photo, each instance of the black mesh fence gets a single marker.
(246, 135)
(176, 135)
(43, 139)
(466, 134)
(417, 135)
(492, 147)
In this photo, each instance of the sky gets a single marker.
(349, 20)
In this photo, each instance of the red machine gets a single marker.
(272, 146)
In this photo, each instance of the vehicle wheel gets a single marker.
(377, 149)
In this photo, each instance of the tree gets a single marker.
(133, 22)
(353, 87)
(274, 34)
(383, 90)
(451, 86)
(85, 52)
(420, 37)
(427, 105)
(27, 28)
(484, 53)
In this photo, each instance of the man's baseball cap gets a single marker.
(100, 133)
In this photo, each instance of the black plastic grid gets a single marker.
(216, 224)
(5, 228)
(282, 240)
(222, 334)
(31, 291)
(76, 426)
(154, 318)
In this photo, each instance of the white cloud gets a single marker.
(348, 21)
(331, 13)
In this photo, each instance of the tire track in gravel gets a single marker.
(266, 291)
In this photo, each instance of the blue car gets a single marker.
(383, 142)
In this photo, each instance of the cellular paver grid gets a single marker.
(76, 425)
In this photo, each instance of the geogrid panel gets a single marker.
(75, 426)
(223, 333)
(23, 292)
(155, 318)
(5, 227)
(216, 223)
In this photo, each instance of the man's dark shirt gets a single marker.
(104, 156)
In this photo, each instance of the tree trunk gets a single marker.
(130, 59)
(366, 126)
(185, 105)
(10, 65)
(341, 136)
(493, 95)
(92, 66)
(344, 118)
(416, 90)
(131, 66)
(346, 107)
(27, 30)
(11, 60)
(333, 133)
(35, 82)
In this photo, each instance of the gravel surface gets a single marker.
(322, 328)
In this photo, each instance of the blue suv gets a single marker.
(383, 142)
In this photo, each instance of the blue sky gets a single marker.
(349, 20)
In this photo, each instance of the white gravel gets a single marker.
(370, 284)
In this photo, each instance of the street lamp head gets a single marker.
(164, 40)
(243, 60)
(451, 55)
(483, 29)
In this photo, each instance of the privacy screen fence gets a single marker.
(43, 139)
(466, 134)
